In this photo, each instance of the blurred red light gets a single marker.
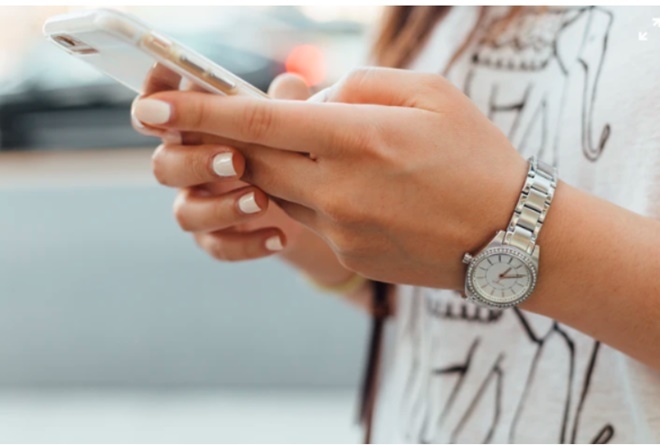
(308, 62)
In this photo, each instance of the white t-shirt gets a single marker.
(580, 87)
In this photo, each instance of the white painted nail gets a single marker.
(136, 122)
(274, 244)
(223, 164)
(248, 204)
(152, 111)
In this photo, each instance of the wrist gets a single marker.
(490, 212)
(504, 272)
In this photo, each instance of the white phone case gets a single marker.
(127, 50)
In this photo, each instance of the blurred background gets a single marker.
(114, 327)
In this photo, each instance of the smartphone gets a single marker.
(132, 53)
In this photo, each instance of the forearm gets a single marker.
(314, 258)
(600, 273)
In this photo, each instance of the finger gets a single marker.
(321, 96)
(182, 166)
(304, 215)
(388, 86)
(289, 125)
(220, 187)
(239, 246)
(189, 85)
(281, 174)
(198, 212)
(196, 138)
(160, 78)
(168, 136)
(289, 86)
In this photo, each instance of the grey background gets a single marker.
(98, 287)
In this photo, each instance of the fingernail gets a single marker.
(172, 137)
(152, 111)
(223, 164)
(248, 203)
(147, 131)
(274, 244)
(136, 122)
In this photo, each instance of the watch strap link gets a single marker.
(532, 206)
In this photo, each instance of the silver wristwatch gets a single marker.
(504, 273)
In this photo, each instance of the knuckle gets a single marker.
(384, 153)
(431, 94)
(251, 250)
(364, 140)
(158, 166)
(368, 137)
(197, 115)
(258, 121)
(222, 213)
(374, 141)
(432, 83)
(356, 77)
(223, 250)
(281, 86)
(196, 166)
(180, 214)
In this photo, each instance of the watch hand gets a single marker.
(505, 272)
(515, 276)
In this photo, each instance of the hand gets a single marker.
(229, 219)
(406, 174)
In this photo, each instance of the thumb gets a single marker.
(289, 86)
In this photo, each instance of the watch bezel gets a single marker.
(527, 259)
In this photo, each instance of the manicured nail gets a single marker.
(172, 137)
(136, 122)
(274, 244)
(223, 164)
(248, 204)
(147, 131)
(152, 111)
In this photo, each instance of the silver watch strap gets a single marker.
(532, 206)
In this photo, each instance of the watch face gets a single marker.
(502, 276)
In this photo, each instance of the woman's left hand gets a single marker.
(405, 173)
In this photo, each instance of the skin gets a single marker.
(206, 205)
(405, 176)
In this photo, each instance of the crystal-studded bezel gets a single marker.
(470, 289)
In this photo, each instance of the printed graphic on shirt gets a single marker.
(441, 403)
(519, 78)
(523, 70)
